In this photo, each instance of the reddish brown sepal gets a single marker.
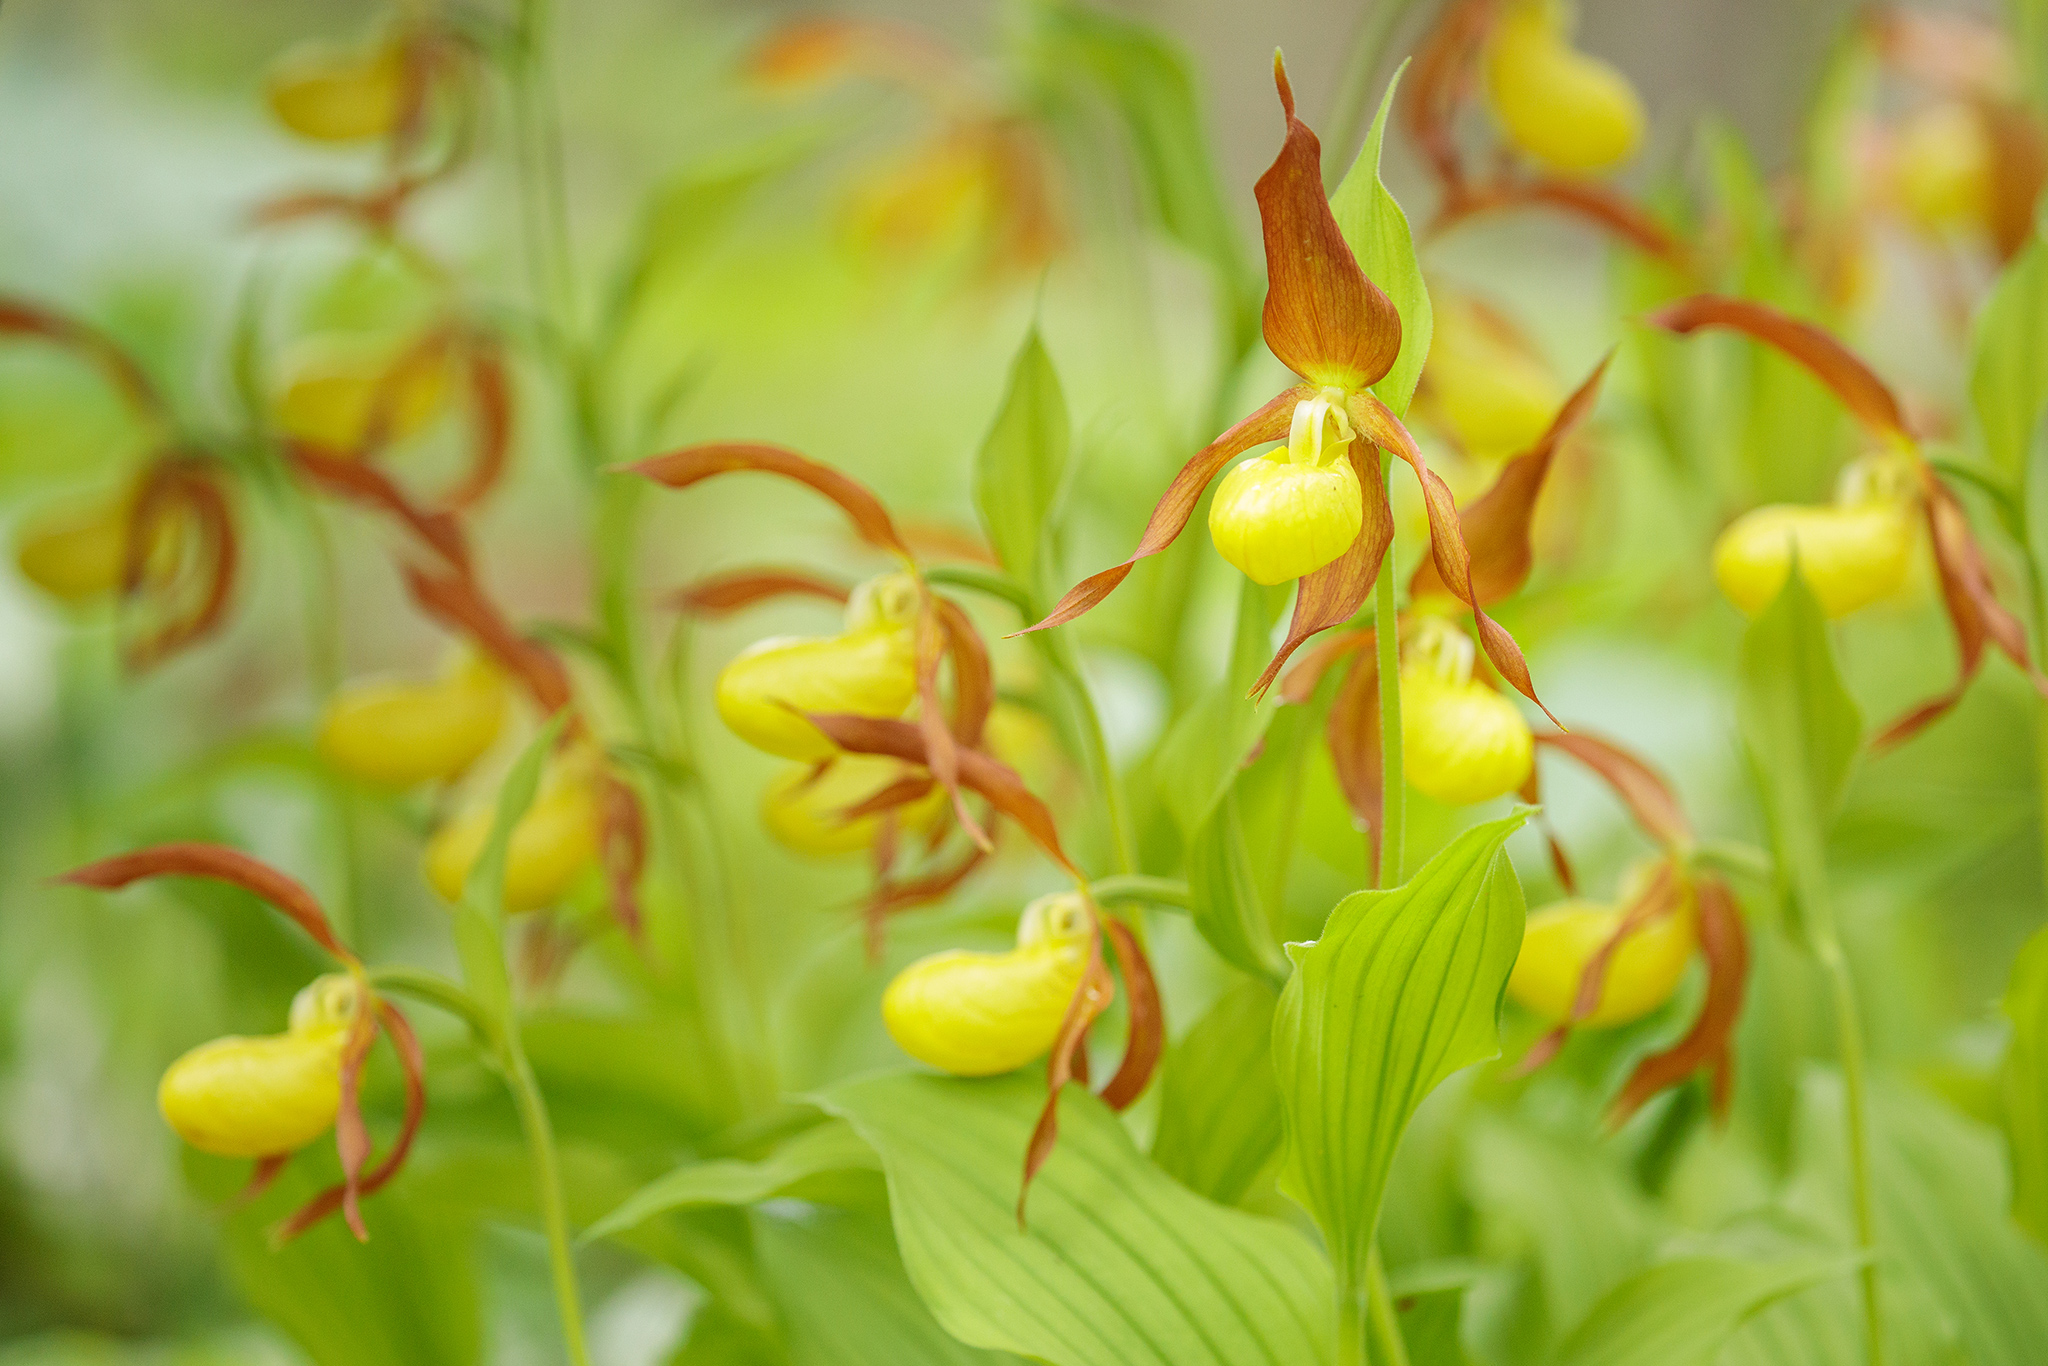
(1067, 1061)
(1560, 863)
(623, 842)
(440, 532)
(457, 601)
(1600, 205)
(222, 864)
(1323, 318)
(1177, 504)
(1442, 76)
(413, 1066)
(1641, 788)
(1861, 391)
(1146, 1038)
(1974, 611)
(722, 594)
(1352, 734)
(490, 419)
(1447, 542)
(1333, 594)
(693, 464)
(178, 488)
(261, 1178)
(1496, 524)
(1301, 683)
(1725, 944)
(942, 748)
(22, 319)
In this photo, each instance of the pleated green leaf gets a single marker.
(1377, 230)
(1120, 1265)
(812, 1153)
(1219, 1108)
(1681, 1312)
(1023, 461)
(1224, 896)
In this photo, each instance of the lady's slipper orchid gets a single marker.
(1851, 554)
(554, 844)
(807, 807)
(401, 733)
(243, 1097)
(980, 1014)
(78, 552)
(346, 396)
(1340, 334)
(333, 93)
(1571, 113)
(1642, 971)
(1462, 743)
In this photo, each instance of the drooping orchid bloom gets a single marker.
(1337, 331)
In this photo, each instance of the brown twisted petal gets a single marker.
(1177, 504)
(1496, 524)
(1725, 944)
(1560, 864)
(456, 600)
(1447, 542)
(440, 531)
(1333, 594)
(179, 486)
(23, 319)
(1601, 205)
(222, 864)
(692, 464)
(1147, 1034)
(942, 749)
(1303, 680)
(351, 1135)
(1352, 733)
(1067, 1062)
(413, 1066)
(1641, 788)
(1974, 612)
(978, 772)
(720, 594)
(1443, 75)
(974, 679)
(490, 417)
(623, 842)
(1323, 318)
(1859, 388)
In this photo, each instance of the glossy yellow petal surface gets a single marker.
(1461, 741)
(75, 552)
(1560, 940)
(979, 1014)
(803, 809)
(331, 388)
(397, 734)
(552, 846)
(338, 94)
(1278, 520)
(1851, 556)
(252, 1097)
(1572, 113)
(763, 690)
(1943, 169)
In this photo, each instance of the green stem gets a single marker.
(1382, 1321)
(547, 1175)
(1160, 891)
(1351, 1316)
(438, 991)
(1849, 1030)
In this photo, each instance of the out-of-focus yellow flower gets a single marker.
(1293, 510)
(336, 93)
(870, 669)
(399, 733)
(1572, 113)
(1944, 169)
(979, 1014)
(1489, 394)
(274, 1094)
(1461, 742)
(333, 388)
(804, 808)
(75, 552)
(1645, 970)
(554, 843)
(1851, 553)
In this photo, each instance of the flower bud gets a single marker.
(979, 1014)
(1288, 513)
(397, 734)
(1461, 742)
(868, 670)
(259, 1097)
(1643, 972)
(554, 843)
(1492, 396)
(1943, 169)
(1850, 555)
(334, 388)
(805, 809)
(1572, 113)
(76, 553)
(338, 94)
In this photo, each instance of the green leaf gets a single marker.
(1681, 1312)
(481, 910)
(2009, 361)
(1403, 988)
(2024, 1074)
(844, 1300)
(1802, 730)
(1373, 223)
(1120, 1265)
(1219, 1107)
(1224, 896)
(1206, 749)
(1017, 477)
(814, 1152)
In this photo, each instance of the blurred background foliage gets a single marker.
(769, 297)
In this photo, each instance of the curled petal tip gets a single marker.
(1281, 82)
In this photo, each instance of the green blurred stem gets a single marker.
(1160, 891)
(1383, 1325)
(1827, 948)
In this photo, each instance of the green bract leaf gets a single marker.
(1121, 1265)
(1802, 730)
(1373, 223)
(1219, 1109)
(814, 1152)
(1403, 988)
(1680, 1313)
(1017, 477)
(2025, 1077)
(1224, 896)
(2009, 361)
